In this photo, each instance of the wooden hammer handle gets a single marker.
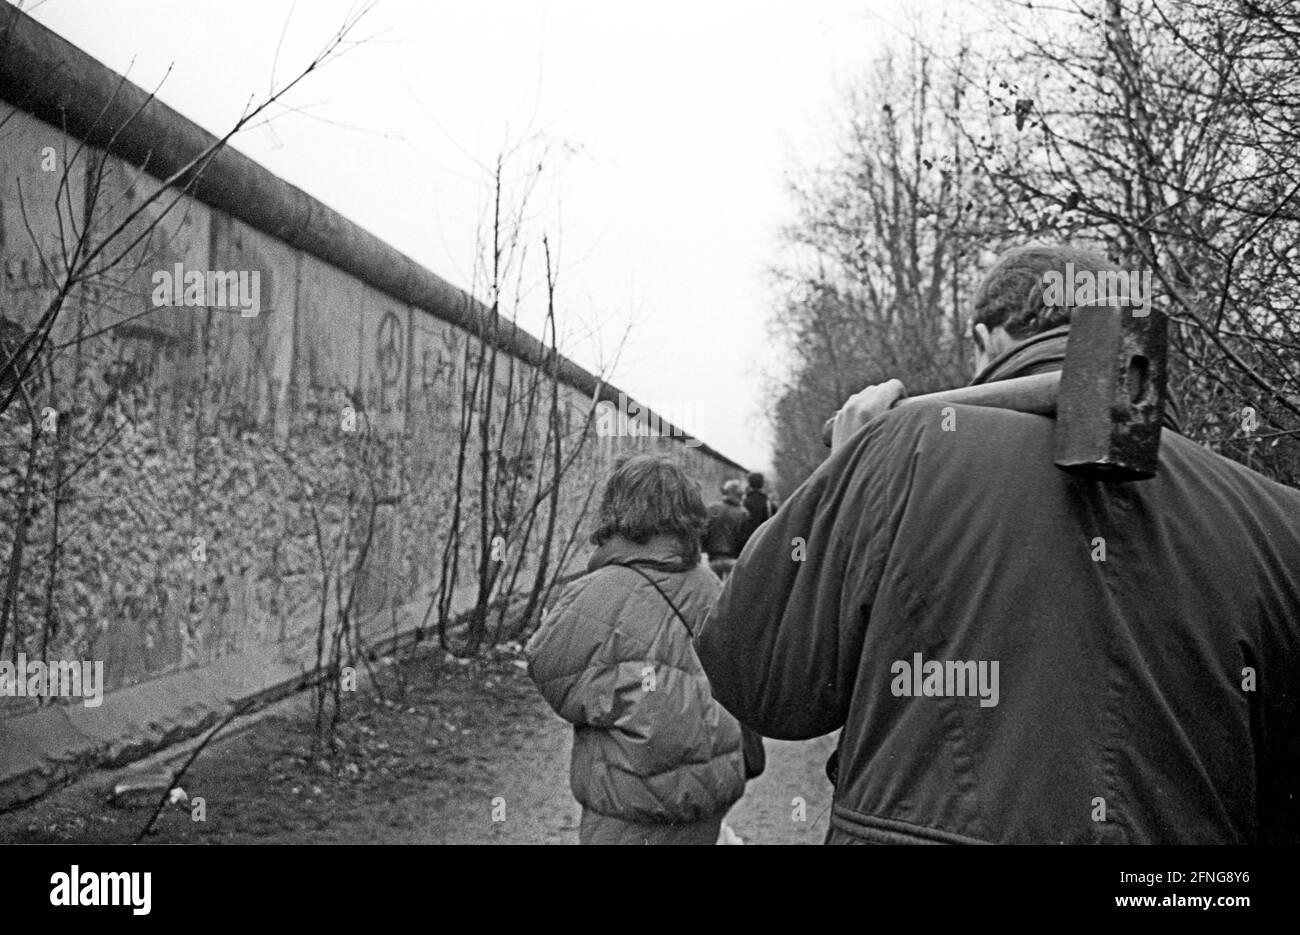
(1033, 394)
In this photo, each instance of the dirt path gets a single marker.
(429, 763)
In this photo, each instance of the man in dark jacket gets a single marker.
(757, 505)
(724, 535)
(1016, 654)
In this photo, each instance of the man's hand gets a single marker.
(864, 406)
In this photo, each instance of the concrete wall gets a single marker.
(182, 423)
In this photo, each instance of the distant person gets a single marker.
(724, 536)
(655, 759)
(758, 505)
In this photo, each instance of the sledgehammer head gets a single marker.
(1112, 396)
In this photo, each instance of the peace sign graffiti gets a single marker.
(388, 348)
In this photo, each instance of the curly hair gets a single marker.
(650, 496)
(1011, 293)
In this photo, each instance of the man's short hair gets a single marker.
(647, 496)
(756, 480)
(733, 490)
(1011, 293)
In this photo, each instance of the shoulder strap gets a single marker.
(654, 584)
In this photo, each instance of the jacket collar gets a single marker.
(1043, 353)
(664, 551)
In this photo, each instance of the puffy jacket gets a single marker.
(650, 744)
(1147, 638)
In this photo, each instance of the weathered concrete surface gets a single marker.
(47, 748)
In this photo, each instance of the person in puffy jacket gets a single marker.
(655, 759)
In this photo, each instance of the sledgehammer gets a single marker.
(1108, 400)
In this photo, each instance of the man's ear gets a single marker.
(979, 333)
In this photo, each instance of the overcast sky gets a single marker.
(669, 129)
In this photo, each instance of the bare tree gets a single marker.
(515, 451)
(880, 257)
(1167, 135)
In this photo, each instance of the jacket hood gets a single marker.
(666, 552)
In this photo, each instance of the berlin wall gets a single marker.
(180, 461)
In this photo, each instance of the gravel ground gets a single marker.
(448, 744)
